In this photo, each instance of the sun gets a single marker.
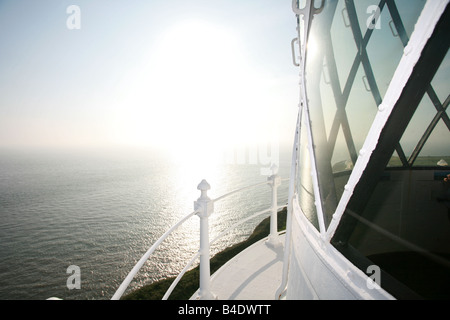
(189, 89)
(194, 95)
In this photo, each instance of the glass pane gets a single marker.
(367, 11)
(398, 219)
(418, 125)
(395, 161)
(328, 99)
(305, 189)
(385, 49)
(371, 16)
(341, 160)
(342, 102)
(361, 110)
(441, 80)
(404, 230)
(342, 166)
(409, 11)
(436, 151)
(344, 47)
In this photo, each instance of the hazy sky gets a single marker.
(175, 73)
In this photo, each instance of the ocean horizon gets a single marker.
(101, 211)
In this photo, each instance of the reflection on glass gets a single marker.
(304, 181)
(426, 140)
(344, 47)
(408, 12)
(419, 123)
(441, 80)
(398, 217)
(361, 110)
(367, 12)
(354, 50)
(384, 62)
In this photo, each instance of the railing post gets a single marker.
(275, 182)
(205, 207)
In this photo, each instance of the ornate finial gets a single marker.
(203, 186)
(274, 168)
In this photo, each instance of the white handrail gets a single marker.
(180, 275)
(241, 189)
(199, 211)
(195, 257)
(145, 257)
(239, 223)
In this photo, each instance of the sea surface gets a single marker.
(100, 211)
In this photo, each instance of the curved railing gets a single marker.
(203, 208)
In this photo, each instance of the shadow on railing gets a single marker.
(203, 208)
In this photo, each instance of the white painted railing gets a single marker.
(203, 208)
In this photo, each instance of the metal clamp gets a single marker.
(392, 26)
(366, 83)
(309, 6)
(345, 17)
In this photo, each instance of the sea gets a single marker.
(74, 223)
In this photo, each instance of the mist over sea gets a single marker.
(102, 210)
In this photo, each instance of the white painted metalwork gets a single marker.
(422, 32)
(120, 291)
(275, 182)
(180, 275)
(318, 271)
(287, 246)
(313, 268)
(203, 208)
